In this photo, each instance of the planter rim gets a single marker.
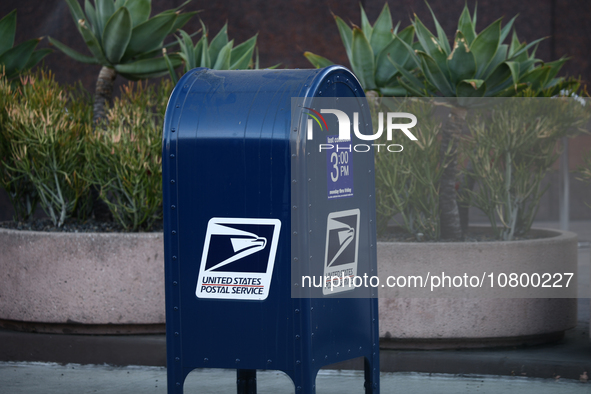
(55, 280)
(545, 235)
(33, 233)
(442, 322)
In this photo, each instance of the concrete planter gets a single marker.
(82, 282)
(428, 323)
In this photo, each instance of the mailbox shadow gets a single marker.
(218, 380)
(335, 378)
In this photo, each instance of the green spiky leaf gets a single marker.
(417, 90)
(180, 6)
(363, 60)
(413, 59)
(382, 31)
(521, 54)
(72, 53)
(196, 54)
(466, 26)
(430, 44)
(409, 81)
(223, 59)
(537, 78)
(471, 88)
(317, 61)
(188, 51)
(92, 42)
(117, 35)
(507, 29)
(104, 10)
(219, 41)
(182, 20)
(497, 59)
(485, 46)
(435, 75)
(395, 50)
(139, 10)
(147, 66)
(365, 25)
(170, 67)
(384, 68)
(461, 62)
(16, 57)
(204, 59)
(515, 71)
(441, 36)
(498, 77)
(346, 35)
(515, 44)
(555, 67)
(76, 12)
(7, 31)
(148, 35)
(407, 34)
(242, 54)
(92, 18)
(36, 57)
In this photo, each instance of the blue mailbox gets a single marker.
(265, 207)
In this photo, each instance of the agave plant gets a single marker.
(478, 65)
(220, 54)
(123, 39)
(16, 59)
(369, 49)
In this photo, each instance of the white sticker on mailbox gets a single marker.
(238, 258)
(342, 244)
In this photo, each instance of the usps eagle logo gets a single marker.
(230, 246)
(238, 258)
(342, 244)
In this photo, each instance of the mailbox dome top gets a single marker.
(251, 103)
(332, 81)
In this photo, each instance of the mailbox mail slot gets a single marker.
(255, 210)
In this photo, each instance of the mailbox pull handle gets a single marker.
(246, 381)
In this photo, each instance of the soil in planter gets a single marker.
(397, 234)
(73, 226)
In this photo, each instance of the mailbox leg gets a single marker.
(372, 377)
(246, 381)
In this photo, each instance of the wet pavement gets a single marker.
(26, 378)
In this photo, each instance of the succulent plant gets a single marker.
(219, 54)
(369, 49)
(124, 155)
(123, 38)
(42, 140)
(511, 147)
(16, 59)
(407, 184)
(585, 171)
(478, 65)
(19, 188)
